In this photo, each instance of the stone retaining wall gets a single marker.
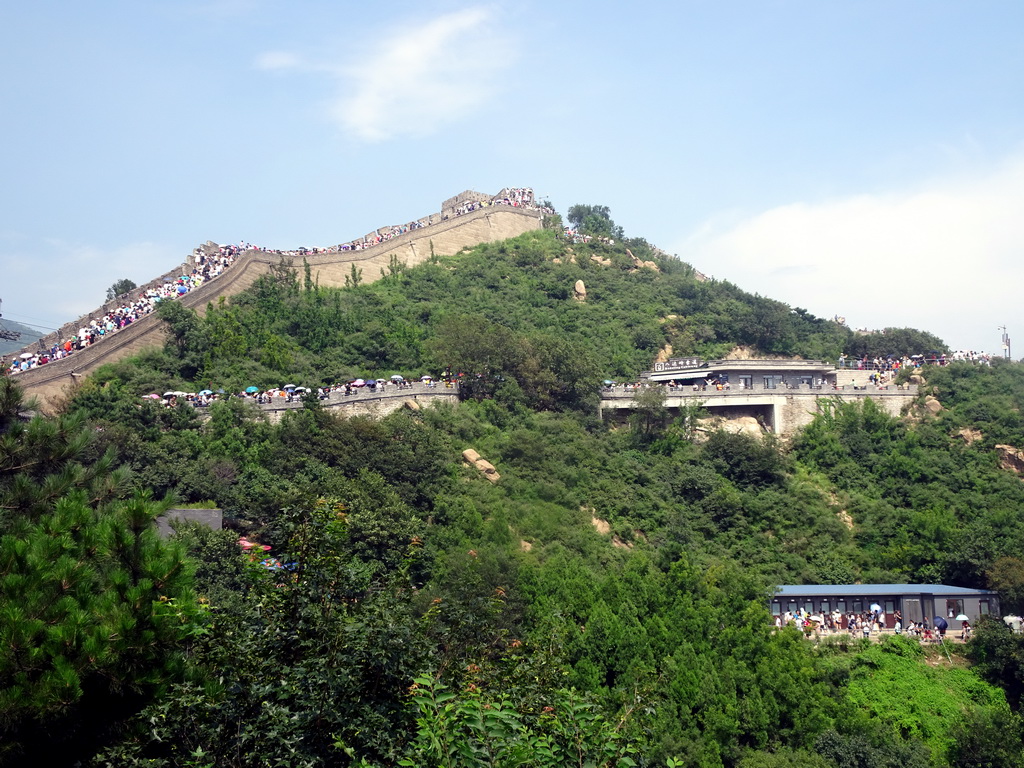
(375, 406)
(366, 403)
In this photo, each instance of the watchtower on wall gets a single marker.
(451, 205)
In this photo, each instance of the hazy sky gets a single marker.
(850, 157)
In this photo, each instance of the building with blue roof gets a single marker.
(916, 602)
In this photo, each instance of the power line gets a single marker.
(25, 321)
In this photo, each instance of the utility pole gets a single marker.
(1006, 341)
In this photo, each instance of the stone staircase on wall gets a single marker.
(443, 238)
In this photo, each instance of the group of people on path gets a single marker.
(130, 309)
(517, 197)
(891, 365)
(290, 393)
(866, 624)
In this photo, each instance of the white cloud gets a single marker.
(423, 77)
(278, 60)
(413, 80)
(944, 256)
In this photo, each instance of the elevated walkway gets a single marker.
(782, 411)
(363, 402)
(444, 237)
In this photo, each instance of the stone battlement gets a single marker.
(442, 237)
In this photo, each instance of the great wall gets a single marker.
(783, 411)
(441, 234)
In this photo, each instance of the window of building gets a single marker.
(841, 606)
(858, 607)
(792, 608)
(824, 606)
(983, 607)
(890, 606)
(746, 382)
(776, 609)
(807, 380)
(809, 607)
(954, 608)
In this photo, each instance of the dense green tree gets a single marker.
(304, 661)
(119, 288)
(896, 342)
(999, 655)
(594, 220)
(635, 568)
(1006, 575)
(96, 608)
(43, 459)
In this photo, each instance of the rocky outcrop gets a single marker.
(969, 435)
(740, 353)
(740, 425)
(640, 264)
(485, 467)
(1011, 458)
(579, 291)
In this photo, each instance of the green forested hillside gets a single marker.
(428, 617)
(505, 306)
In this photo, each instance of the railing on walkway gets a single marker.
(911, 363)
(358, 395)
(932, 638)
(628, 392)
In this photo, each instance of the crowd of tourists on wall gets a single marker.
(517, 197)
(207, 265)
(290, 393)
(892, 364)
(131, 307)
(872, 623)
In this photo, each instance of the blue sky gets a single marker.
(859, 158)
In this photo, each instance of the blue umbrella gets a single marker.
(940, 624)
(250, 390)
(206, 392)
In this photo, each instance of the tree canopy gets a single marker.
(604, 604)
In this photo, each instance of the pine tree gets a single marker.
(94, 607)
